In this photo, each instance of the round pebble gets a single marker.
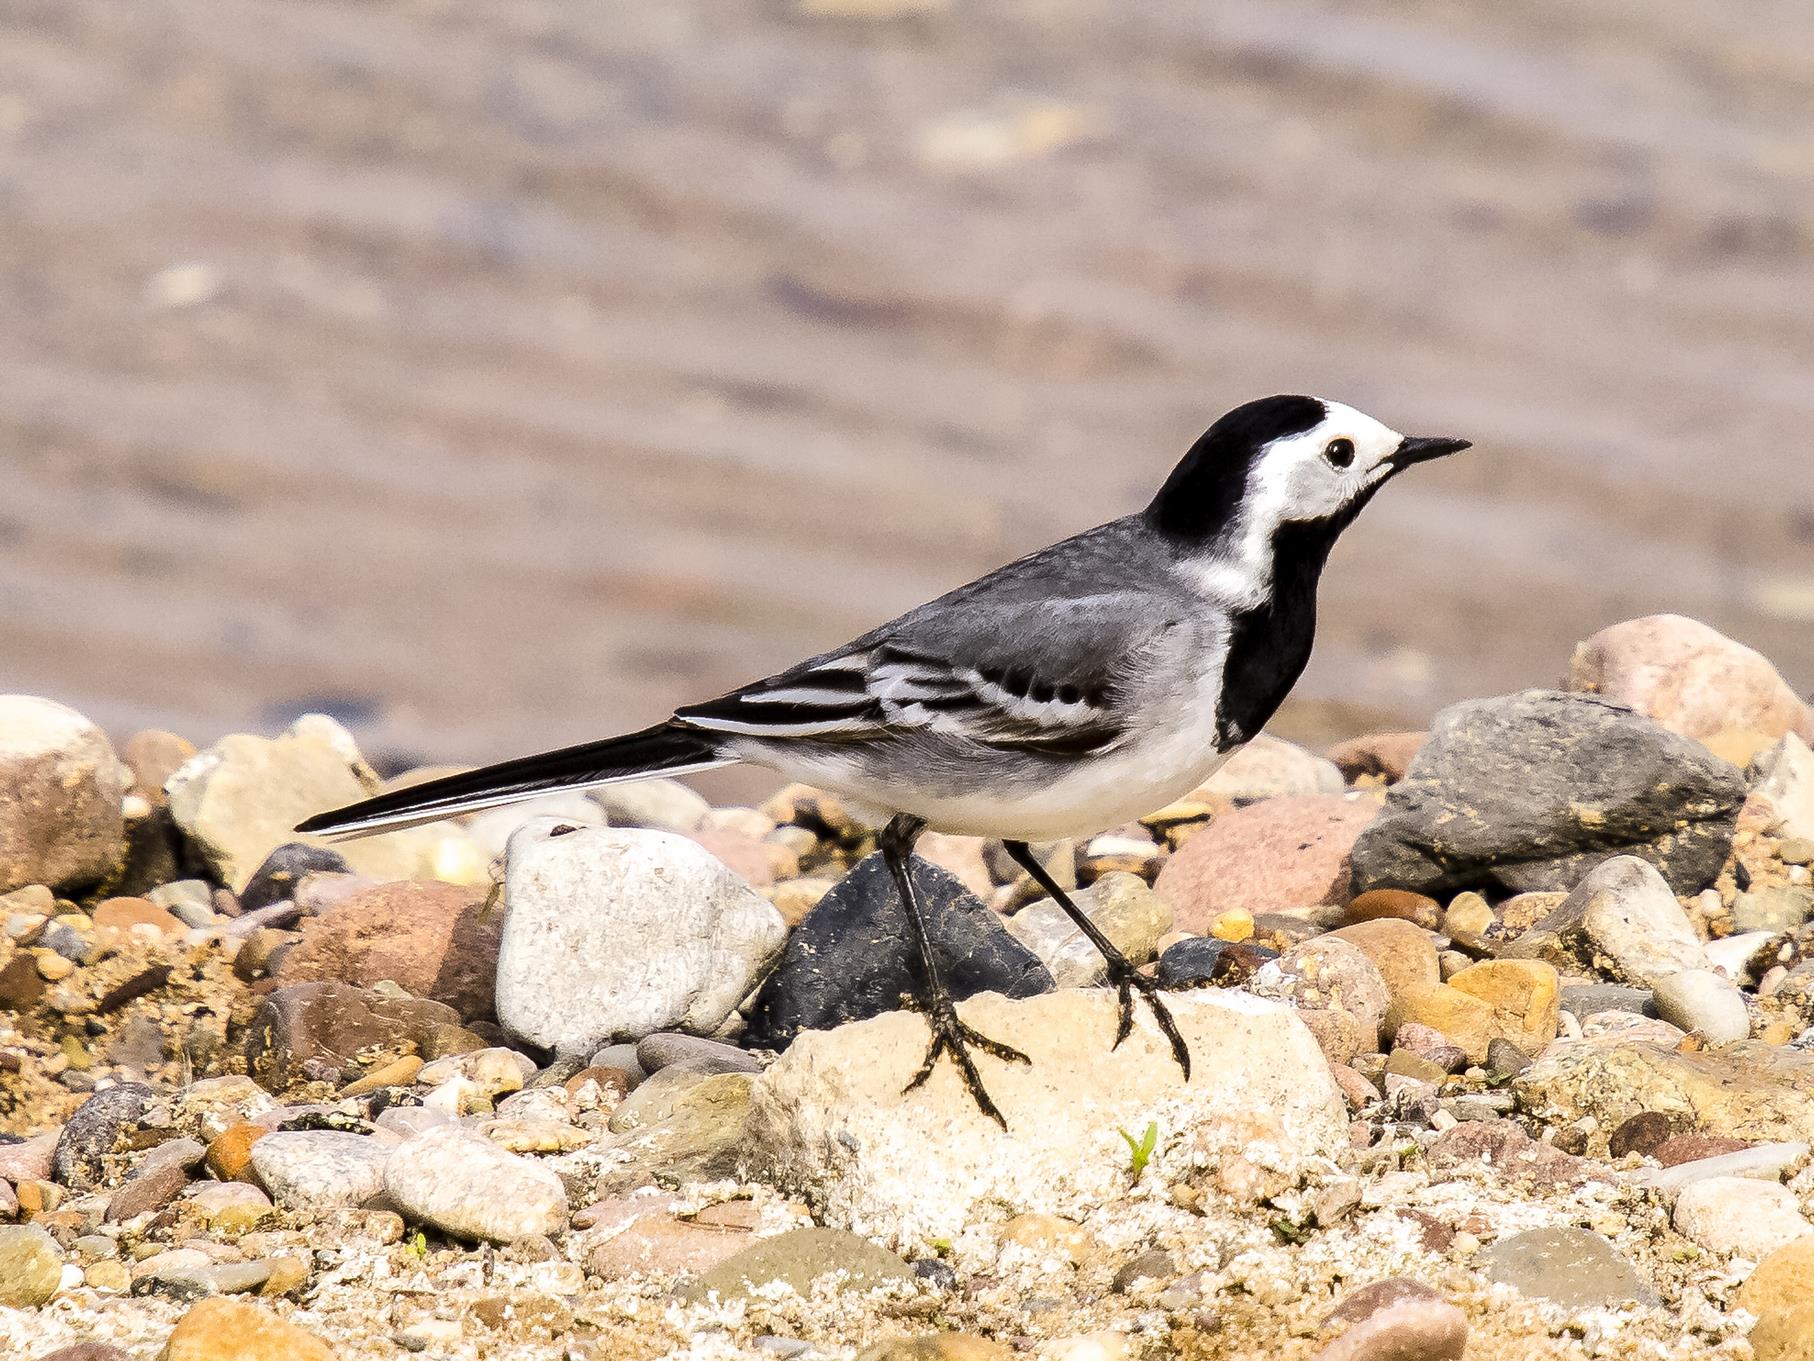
(467, 1186)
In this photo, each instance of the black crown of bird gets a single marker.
(1065, 693)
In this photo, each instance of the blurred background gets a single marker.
(498, 375)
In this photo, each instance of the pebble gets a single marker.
(1269, 767)
(493, 1072)
(228, 1207)
(1575, 1268)
(623, 932)
(1704, 1001)
(1780, 1292)
(313, 1030)
(1732, 955)
(1780, 907)
(222, 1329)
(1739, 1216)
(1394, 904)
(1129, 913)
(1328, 973)
(1631, 916)
(660, 805)
(466, 1186)
(691, 1051)
(321, 1169)
(160, 1178)
(853, 956)
(1194, 962)
(799, 1259)
(31, 1267)
(1404, 954)
(1396, 1320)
(215, 1278)
(936, 1346)
(1765, 1162)
(1582, 1000)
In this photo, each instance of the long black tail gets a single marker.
(666, 749)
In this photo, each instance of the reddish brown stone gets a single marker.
(123, 914)
(1691, 1148)
(1642, 1134)
(434, 940)
(1271, 856)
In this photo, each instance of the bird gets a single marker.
(1066, 693)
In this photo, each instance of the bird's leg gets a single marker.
(950, 1035)
(1122, 973)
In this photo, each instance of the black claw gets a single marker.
(951, 1036)
(1149, 990)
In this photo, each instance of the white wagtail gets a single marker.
(1066, 693)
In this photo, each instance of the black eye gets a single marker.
(1339, 452)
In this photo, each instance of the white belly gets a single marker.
(1177, 754)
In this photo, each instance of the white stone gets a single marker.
(657, 805)
(1632, 918)
(61, 823)
(465, 1185)
(241, 799)
(831, 1121)
(1703, 1000)
(1270, 767)
(492, 1072)
(321, 1169)
(1762, 1162)
(1785, 775)
(1739, 1217)
(490, 831)
(1731, 954)
(618, 932)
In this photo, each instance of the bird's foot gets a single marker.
(1128, 980)
(951, 1035)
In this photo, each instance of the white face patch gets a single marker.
(1311, 476)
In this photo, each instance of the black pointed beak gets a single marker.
(1423, 448)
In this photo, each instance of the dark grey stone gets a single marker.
(93, 1133)
(1530, 791)
(275, 880)
(853, 956)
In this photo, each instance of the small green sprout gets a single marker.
(1287, 1232)
(419, 1244)
(1140, 1151)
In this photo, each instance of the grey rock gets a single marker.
(189, 1282)
(1586, 999)
(799, 1259)
(1528, 791)
(31, 1267)
(1700, 999)
(1575, 1268)
(615, 933)
(691, 1051)
(1622, 917)
(622, 1057)
(93, 1133)
(322, 1169)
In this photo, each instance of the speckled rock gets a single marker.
(319, 1030)
(1785, 776)
(95, 1131)
(1269, 767)
(465, 1185)
(1529, 791)
(1780, 1293)
(1396, 1320)
(1748, 1090)
(276, 878)
(621, 933)
(832, 1123)
(60, 822)
(1404, 954)
(853, 956)
(1328, 974)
